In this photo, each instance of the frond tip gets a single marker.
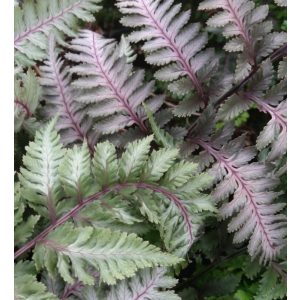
(170, 42)
(109, 85)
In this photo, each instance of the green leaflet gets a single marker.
(27, 95)
(163, 138)
(26, 285)
(160, 161)
(23, 229)
(105, 164)
(39, 177)
(134, 158)
(35, 19)
(110, 193)
(115, 255)
(75, 172)
(179, 174)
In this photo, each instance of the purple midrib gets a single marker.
(65, 101)
(243, 30)
(117, 187)
(121, 98)
(270, 110)
(175, 48)
(24, 107)
(149, 285)
(241, 182)
(40, 26)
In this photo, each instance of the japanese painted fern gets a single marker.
(146, 155)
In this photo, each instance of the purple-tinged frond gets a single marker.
(170, 42)
(255, 216)
(113, 91)
(72, 123)
(247, 31)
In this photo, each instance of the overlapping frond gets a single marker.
(24, 274)
(147, 284)
(23, 229)
(113, 90)
(34, 19)
(270, 100)
(170, 43)
(115, 255)
(157, 181)
(247, 29)
(255, 213)
(73, 122)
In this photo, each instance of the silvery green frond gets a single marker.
(34, 19)
(77, 248)
(23, 229)
(40, 184)
(75, 172)
(113, 90)
(147, 284)
(26, 284)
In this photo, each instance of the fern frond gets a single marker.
(25, 273)
(268, 100)
(109, 85)
(147, 284)
(157, 179)
(75, 172)
(27, 95)
(81, 247)
(23, 229)
(170, 41)
(248, 32)
(34, 20)
(271, 286)
(73, 124)
(39, 177)
(256, 215)
(133, 159)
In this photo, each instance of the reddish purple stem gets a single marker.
(121, 98)
(117, 187)
(239, 180)
(24, 107)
